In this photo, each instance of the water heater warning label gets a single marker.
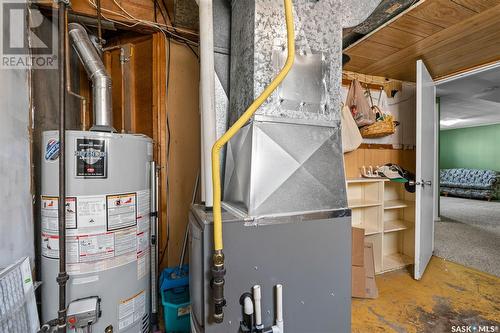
(131, 310)
(91, 158)
(121, 210)
(102, 231)
(50, 213)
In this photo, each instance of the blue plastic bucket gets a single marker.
(174, 291)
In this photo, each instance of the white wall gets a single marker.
(16, 212)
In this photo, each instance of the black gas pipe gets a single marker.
(62, 277)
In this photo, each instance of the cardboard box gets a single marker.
(363, 277)
(358, 241)
(358, 281)
(371, 290)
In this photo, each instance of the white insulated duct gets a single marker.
(207, 98)
(101, 81)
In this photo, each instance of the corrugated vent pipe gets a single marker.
(101, 81)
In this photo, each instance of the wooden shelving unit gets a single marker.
(386, 212)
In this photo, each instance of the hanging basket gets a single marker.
(382, 127)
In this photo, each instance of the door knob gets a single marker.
(422, 183)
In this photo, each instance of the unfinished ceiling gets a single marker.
(449, 35)
(470, 101)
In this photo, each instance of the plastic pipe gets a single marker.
(248, 306)
(279, 307)
(207, 96)
(258, 310)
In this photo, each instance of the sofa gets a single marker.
(469, 183)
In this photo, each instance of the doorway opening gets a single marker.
(469, 170)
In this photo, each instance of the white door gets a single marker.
(426, 162)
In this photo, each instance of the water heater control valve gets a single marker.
(84, 312)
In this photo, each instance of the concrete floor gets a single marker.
(449, 294)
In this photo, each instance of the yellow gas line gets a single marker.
(218, 245)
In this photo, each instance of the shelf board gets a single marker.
(364, 180)
(360, 203)
(395, 261)
(395, 225)
(368, 231)
(395, 204)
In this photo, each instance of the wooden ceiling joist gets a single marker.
(449, 35)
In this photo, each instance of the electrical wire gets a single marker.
(175, 30)
(167, 85)
(159, 26)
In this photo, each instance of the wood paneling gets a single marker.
(477, 5)
(372, 50)
(443, 13)
(394, 37)
(355, 160)
(180, 161)
(449, 36)
(415, 26)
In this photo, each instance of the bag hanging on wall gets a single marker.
(358, 105)
(351, 138)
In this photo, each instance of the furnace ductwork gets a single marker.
(101, 81)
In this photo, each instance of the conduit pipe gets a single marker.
(101, 81)
(207, 96)
(218, 270)
(62, 276)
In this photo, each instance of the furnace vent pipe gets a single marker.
(101, 81)
(207, 97)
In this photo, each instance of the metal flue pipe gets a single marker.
(101, 81)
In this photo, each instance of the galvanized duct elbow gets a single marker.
(101, 81)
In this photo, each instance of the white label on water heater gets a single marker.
(103, 231)
(121, 210)
(131, 309)
(91, 214)
(142, 265)
(50, 213)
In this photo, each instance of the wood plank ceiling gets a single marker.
(450, 36)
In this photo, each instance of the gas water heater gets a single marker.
(108, 197)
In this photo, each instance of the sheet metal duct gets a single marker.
(288, 159)
(101, 81)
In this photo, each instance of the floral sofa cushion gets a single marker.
(469, 179)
